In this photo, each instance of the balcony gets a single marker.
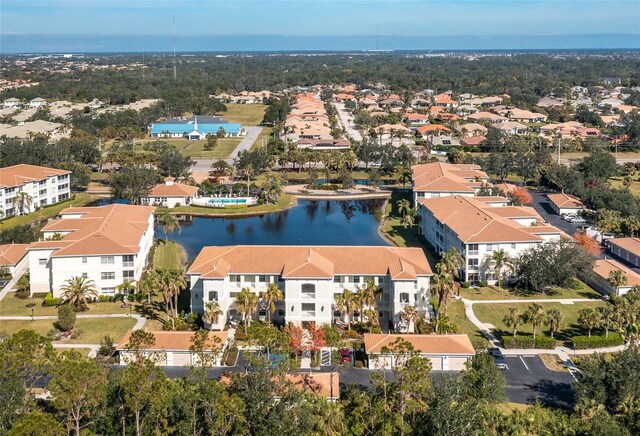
(128, 264)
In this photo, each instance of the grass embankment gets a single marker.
(455, 312)
(79, 199)
(403, 236)
(634, 188)
(12, 306)
(263, 137)
(284, 202)
(93, 330)
(495, 313)
(223, 149)
(169, 255)
(245, 114)
(579, 290)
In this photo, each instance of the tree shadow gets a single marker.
(150, 311)
(553, 394)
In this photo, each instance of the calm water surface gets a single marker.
(308, 223)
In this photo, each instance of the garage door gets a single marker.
(436, 363)
(457, 363)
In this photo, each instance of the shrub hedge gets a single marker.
(50, 301)
(544, 342)
(586, 342)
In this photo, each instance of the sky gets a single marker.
(20, 19)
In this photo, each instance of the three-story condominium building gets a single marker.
(43, 185)
(106, 244)
(478, 226)
(438, 179)
(311, 278)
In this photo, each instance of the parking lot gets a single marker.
(528, 380)
(541, 205)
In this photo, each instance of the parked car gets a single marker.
(578, 220)
(345, 355)
(495, 352)
(569, 217)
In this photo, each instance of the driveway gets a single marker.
(252, 134)
(344, 116)
(529, 380)
(542, 206)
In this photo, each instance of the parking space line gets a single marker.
(525, 365)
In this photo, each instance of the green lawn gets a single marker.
(455, 312)
(224, 148)
(169, 255)
(79, 199)
(284, 202)
(93, 330)
(245, 114)
(616, 182)
(495, 313)
(12, 306)
(579, 290)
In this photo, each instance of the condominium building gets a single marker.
(439, 179)
(311, 278)
(106, 244)
(44, 186)
(478, 226)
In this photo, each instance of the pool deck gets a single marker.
(301, 192)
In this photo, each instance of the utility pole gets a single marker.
(559, 146)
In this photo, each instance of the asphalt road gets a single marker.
(529, 380)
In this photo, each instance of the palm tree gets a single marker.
(77, 290)
(246, 304)
(22, 201)
(248, 172)
(373, 317)
(409, 219)
(451, 261)
(513, 320)
(589, 319)
(170, 223)
(367, 296)
(272, 295)
(441, 286)
(608, 319)
(404, 206)
(617, 278)
(147, 284)
(535, 315)
(410, 315)
(500, 260)
(126, 287)
(212, 312)
(346, 303)
(554, 320)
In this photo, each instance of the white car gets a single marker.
(569, 217)
(578, 220)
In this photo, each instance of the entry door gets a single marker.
(325, 357)
(169, 358)
(445, 363)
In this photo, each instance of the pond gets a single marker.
(308, 223)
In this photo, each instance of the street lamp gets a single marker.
(32, 315)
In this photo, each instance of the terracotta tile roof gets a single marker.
(517, 212)
(604, 267)
(111, 229)
(11, 254)
(474, 221)
(445, 177)
(424, 344)
(565, 201)
(632, 245)
(412, 117)
(486, 116)
(473, 140)
(17, 175)
(310, 261)
(433, 128)
(174, 190)
(176, 340)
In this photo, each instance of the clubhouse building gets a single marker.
(196, 128)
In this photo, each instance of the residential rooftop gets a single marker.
(21, 174)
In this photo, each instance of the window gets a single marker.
(309, 290)
(42, 262)
(281, 312)
(108, 290)
(234, 278)
(233, 295)
(107, 260)
(213, 296)
(513, 246)
(446, 142)
(382, 279)
(127, 274)
(108, 276)
(85, 275)
(250, 279)
(472, 249)
(84, 259)
(356, 279)
(404, 297)
(337, 279)
(489, 247)
(262, 279)
(308, 309)
(127, 260)
(473, 263)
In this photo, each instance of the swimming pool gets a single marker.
(227, 200)
(223, 201)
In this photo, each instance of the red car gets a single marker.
(345, 355)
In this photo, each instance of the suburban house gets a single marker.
(106, 244)
(417, 118)
(525, 116)
(12, 103)
(311, 278)
(602, 269)
(44, 186)
(551, 101)
(444, 100)
(477, 227)
(324, 144)
(627, 249)
(564, 204)
(445, 352)
(172, 348)
(197, 127)
(471, 129)
(30, 128)
(433, 129)
(511, 128)
(14, 258)
(38, 102)
(439, 179)
(487, 116)
(443, 141)
(473, 141)
(170, 194)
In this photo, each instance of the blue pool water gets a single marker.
(308, 223)
(227, 201)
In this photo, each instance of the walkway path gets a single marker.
(343, 117)
(11, 283)
(562, 352)
(252, 134)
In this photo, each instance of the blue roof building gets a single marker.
(196, 127)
